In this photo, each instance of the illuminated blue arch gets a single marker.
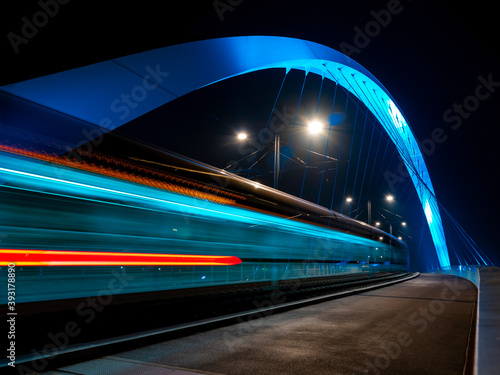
(101, 94)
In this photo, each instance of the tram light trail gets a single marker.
(94, 258)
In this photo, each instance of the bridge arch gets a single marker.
(95, 94)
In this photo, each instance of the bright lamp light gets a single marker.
(315, 127)
(242, 136)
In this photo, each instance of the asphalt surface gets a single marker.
(422, 326)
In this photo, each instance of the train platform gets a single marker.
(424, 325)
(488, 323)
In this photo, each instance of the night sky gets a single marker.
(431, 56)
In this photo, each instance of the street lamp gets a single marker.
(403, 223)
(242, 136)
(314, 127)
(389, 198)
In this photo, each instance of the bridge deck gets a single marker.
(423, 326)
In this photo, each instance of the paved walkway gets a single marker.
(488, 335)
(421, 326)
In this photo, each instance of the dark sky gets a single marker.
(430, 56)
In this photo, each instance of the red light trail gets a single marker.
(92, 258)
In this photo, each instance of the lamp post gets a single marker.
(403, 223)
(369, 208)
(389, 198)
(276, 159)
(314, 127)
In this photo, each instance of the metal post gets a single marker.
(369, 212)
(408, 259)
(276, 159)
(390, 243)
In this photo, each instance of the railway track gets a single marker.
(69, 331)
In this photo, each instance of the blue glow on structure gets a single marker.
(91, 93)
(428, 212)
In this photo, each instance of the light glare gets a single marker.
(315, 127)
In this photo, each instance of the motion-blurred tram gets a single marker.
(143, 200)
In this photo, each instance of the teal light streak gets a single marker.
(20, 171)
